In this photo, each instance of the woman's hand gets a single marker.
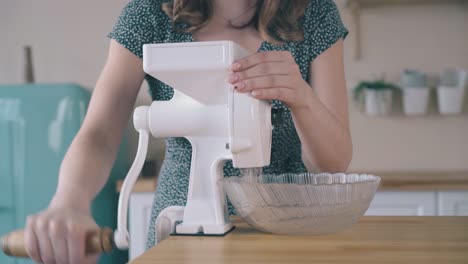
(320, 114)
(271, 75)
(57, 236)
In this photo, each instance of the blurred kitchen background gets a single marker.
(425, 157)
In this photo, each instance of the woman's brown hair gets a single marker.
(276, 20)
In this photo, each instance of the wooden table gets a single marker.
(374, 240)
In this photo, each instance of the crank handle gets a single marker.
(99, 241)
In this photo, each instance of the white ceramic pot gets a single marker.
(415, 100)
(450, 99)
(378, 102)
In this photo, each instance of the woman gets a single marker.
(297, 62)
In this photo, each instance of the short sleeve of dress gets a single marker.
(323, 27)
(138, 25)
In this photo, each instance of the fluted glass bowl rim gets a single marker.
(366, 178)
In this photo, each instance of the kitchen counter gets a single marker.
(373, 240)
(141, 185)
(423, 181)
(391, 181)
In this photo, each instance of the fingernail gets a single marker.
(235, 66)
(240, 85)
(232, 78)
(254, 93)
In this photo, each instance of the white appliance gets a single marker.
(220, 123)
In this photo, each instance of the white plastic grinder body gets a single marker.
(220, 124)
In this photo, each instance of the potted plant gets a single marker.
(451, 91)
(377, 96)
(415, 92)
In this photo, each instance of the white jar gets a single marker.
(378, 103)
(450, 99)
(415, 100)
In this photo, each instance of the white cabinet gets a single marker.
(140, 213)
(403, 204)
(453, 203)
(410, 203)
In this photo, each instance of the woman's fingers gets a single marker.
(263, 82)
(261, 57)
(269, 76)
(58, 238)
(31, 241)
(46, 251)
(263, 69)
(76, 243)
(282, 94)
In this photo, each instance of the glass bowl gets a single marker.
(301, 204)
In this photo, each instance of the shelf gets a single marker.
(356, 7)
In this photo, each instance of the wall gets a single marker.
(70, 44)
(428, 38)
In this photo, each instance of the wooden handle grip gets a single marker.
(99, 241)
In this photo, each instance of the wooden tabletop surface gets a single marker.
(391, 181)
(373, 240)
